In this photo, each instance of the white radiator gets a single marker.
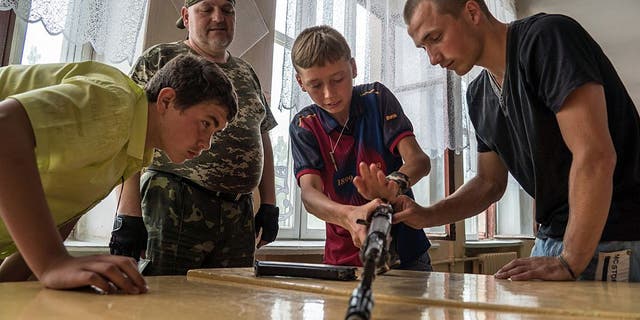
(490, 263)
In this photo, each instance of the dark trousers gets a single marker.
(190, 227)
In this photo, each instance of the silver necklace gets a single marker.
(333, 147)
(497, 88)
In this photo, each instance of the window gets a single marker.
(96, 225)
(7, 25)
(383, 52)
(37, 45)
(66, 31)
(417, 89)
(511, 216)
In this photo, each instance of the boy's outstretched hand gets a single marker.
(372, 183)
(105, 273)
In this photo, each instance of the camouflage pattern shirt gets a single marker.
(234, 162)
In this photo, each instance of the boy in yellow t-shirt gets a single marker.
(71, 132)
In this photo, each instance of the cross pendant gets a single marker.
(333, 160)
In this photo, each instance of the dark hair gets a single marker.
(451, 7)
(318, 45)
(195, 80)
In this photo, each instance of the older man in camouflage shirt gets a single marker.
(200, 214)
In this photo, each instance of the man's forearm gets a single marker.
(472, 198)
(590, 190)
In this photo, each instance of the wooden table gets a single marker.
(467, 291)
(236, 294)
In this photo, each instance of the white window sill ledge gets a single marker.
(496, 243)
(278, 247)
(79, 248)
(292, 247)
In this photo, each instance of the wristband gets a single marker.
(565, 264)
(401, 179)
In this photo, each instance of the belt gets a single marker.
(229, 196)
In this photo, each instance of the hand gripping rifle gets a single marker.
(373, 255)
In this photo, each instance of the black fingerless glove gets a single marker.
(129, 236)
(267, 220)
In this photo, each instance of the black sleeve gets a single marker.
(558, 56)
(482, 147)
(476, 97)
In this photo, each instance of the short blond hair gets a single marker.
(316, 46)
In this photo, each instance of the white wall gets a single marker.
(613, 24)
(161, 28)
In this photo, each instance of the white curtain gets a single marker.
(384, 52)
(431, 97)
(375, 30)
(111, 26)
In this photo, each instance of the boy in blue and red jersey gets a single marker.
(347, 133)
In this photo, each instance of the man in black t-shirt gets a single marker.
(550, 109)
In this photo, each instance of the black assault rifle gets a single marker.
(373, 255)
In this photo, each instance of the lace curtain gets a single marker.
(384, 52)
(377, 35)
(111, 26)
(431, 97)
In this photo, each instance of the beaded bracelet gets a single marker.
(401, 179)
(565, 264)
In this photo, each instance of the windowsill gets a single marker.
(288, 247)
(278, 247)
(81, 248)
(293, 247)
(495, 243)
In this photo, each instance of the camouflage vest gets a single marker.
(234, 162)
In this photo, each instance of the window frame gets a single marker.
(300, 230)
(7, 25)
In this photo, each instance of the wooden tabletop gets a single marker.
(176, 298)
(237, 294)
(578, 299)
